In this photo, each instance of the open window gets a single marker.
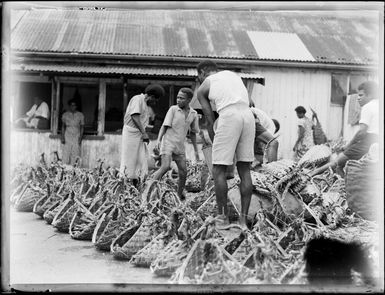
(339, 89)
(23, 100)
(114, 107)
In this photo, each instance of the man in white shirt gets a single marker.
(234, 133)
(368, 132)
(38, 116)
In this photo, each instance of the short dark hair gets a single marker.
(71, 101)
(369, 87)
(300, 110)
(207, 66)
(188, 92)
(155, 90)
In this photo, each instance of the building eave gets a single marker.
(189, 61)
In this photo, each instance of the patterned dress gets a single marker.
(71, 147)
(307, 141)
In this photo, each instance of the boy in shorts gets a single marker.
(179, 119)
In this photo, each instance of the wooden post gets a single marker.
(102, 106)
(53, 103)
(56, 105)
(125, 95)
(171, 98)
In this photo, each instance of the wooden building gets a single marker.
(104, 57)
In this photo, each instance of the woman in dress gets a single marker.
(305, 133)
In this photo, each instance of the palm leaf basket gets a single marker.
(64, 215)
(177, 250)
(108, 227)
(118, 243)
(170, 259)
(51, 211)
(18, 192)
(45, 202)
(27, 199)
(83, 223)
(149, 228)
(145, 256)
(82, 226)
(208, 263)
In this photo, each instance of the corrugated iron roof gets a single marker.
(109, 69)
(189, 33)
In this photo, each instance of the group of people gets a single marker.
(234, 129)
(241, 134)
(359, 145)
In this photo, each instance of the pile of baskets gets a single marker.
(150, 227)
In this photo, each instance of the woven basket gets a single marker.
(121, 240)
(170, 259)
(64, 215)
(27, 200)
(207, 263)
(148, 254)
(108, 228)
(18, 192)
(140, 239)
(51, 211)
(82, 226)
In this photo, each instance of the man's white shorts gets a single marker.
(234, 135)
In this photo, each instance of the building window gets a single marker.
(355, 81)
(23, 100)
(339, 89)
(87, 97)
(114, 107)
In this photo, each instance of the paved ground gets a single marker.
(39, 254)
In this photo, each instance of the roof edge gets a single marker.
(189, 60)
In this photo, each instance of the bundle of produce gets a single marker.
(279, 168)
(64, 214)
(109, 226)
(176, 251)
(27, 199)
(208, 263)
(316, 156)
(197, 173)
(124, 246)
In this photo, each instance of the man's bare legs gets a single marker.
(246, 189)
(220, 183)
(182, 172)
